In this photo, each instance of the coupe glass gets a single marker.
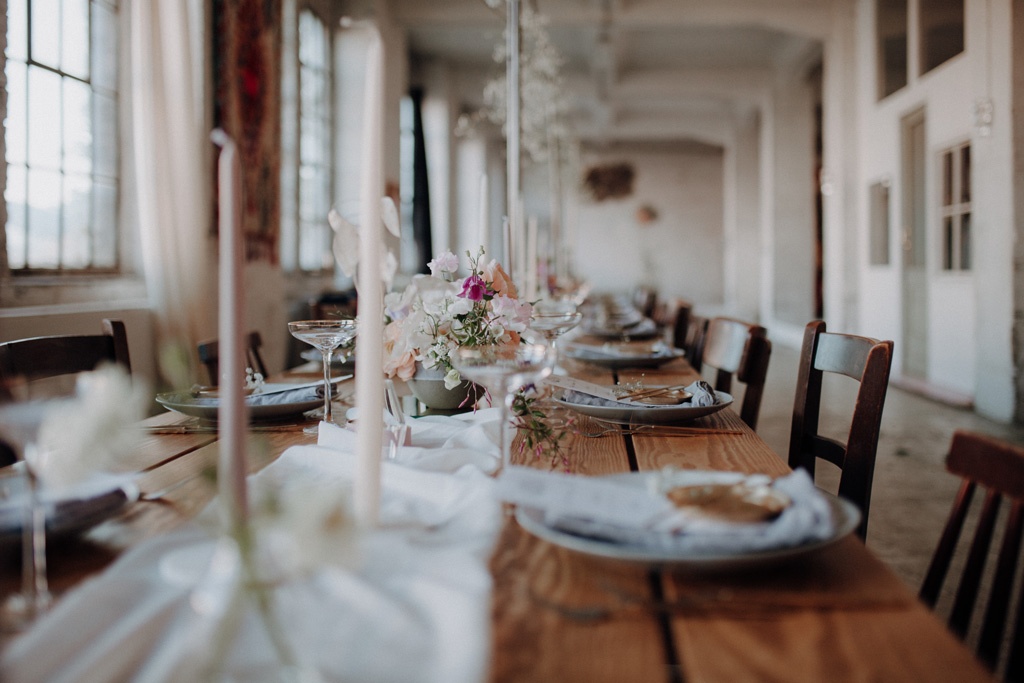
(325, 335)
(553, 318)
(503, 369)
(19, 427)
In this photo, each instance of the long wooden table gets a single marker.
(837, 615)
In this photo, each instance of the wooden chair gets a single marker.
(865, 360)
(734, 348)
(693, 340)
(209, 354)
(645, 299)
(42, 358)
(673, 318)
(999, 467)
(39, 358)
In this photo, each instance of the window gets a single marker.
(61, 136)
(891, 31)
(305, 232)
(942, 31)
(956, 208)
(879, 237)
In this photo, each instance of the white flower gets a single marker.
(514, 312)
(452, 379)
(94, 431)
(445, 263)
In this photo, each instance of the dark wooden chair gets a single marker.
(997, 466)
(209, 355)
(693, 340)
(40, 358)
(673, 319)
(866, 360)
(740, 350)
(645, 299)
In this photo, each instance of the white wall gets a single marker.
(681, 253)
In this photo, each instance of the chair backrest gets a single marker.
(997, 466)
(209, 355)
(645, 299)
(693, 341)
(39, 358)
(673, 317)
(866, 360)
(740, 350)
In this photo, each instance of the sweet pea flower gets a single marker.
(445, 263)
(516, 313)
(474, 288)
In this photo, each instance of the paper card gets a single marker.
(570, 495)
(572, 384)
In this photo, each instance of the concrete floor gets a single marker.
(912, 492)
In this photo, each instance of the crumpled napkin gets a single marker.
(808, 519)
(417, 607)
(703, 395)
(437, 442)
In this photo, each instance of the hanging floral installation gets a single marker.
(541, 89)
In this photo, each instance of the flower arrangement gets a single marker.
(437, 313)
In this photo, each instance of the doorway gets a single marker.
(914, 282)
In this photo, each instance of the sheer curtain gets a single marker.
(171, 155)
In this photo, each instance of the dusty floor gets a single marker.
(912, 491)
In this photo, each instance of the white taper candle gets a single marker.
(232, 410)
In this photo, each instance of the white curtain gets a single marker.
(172, 151)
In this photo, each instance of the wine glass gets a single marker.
(553, 318)
(325, 335)
(19, 427)
(503, 369)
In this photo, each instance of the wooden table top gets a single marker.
(837, 615)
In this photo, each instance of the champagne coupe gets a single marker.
(325, 335)
(503, 369)
(19, 426)
(553, 318)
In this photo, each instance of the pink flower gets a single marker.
(474, 288)
(500, 281)
(445, 263)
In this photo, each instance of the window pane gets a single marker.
(947, 178)
(44, 193)
(104, 222)
(77, 212)
(891, 29)
(965, 241)
(104, 124)
(15, 131)
(947, 243)
(942, 31)
(965, 174)
(75, 43)
(44, 118)
(17, 30)
(77, 127)
(104, 53)
(14, 195)
(46, 32)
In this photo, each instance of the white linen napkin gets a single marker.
(416, 608)
(807, 519)
(437, 442)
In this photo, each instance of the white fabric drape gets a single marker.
(171, 152)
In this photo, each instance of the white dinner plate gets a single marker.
(845, 518)
(183, 402)
(67, 512)
(649, 414)
(621, 358)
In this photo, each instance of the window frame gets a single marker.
(953, 205)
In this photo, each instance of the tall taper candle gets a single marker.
(369, 348)
(485, 211)
(531, 259)
(231, 413)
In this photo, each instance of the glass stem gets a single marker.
(327, 385)
(506, 415)
(34, 582)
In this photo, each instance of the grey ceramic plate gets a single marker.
(649, 414)
(183, 402)
(67, 513)
(621, 360)
(844, 514)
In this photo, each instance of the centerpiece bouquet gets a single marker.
(441, 312)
